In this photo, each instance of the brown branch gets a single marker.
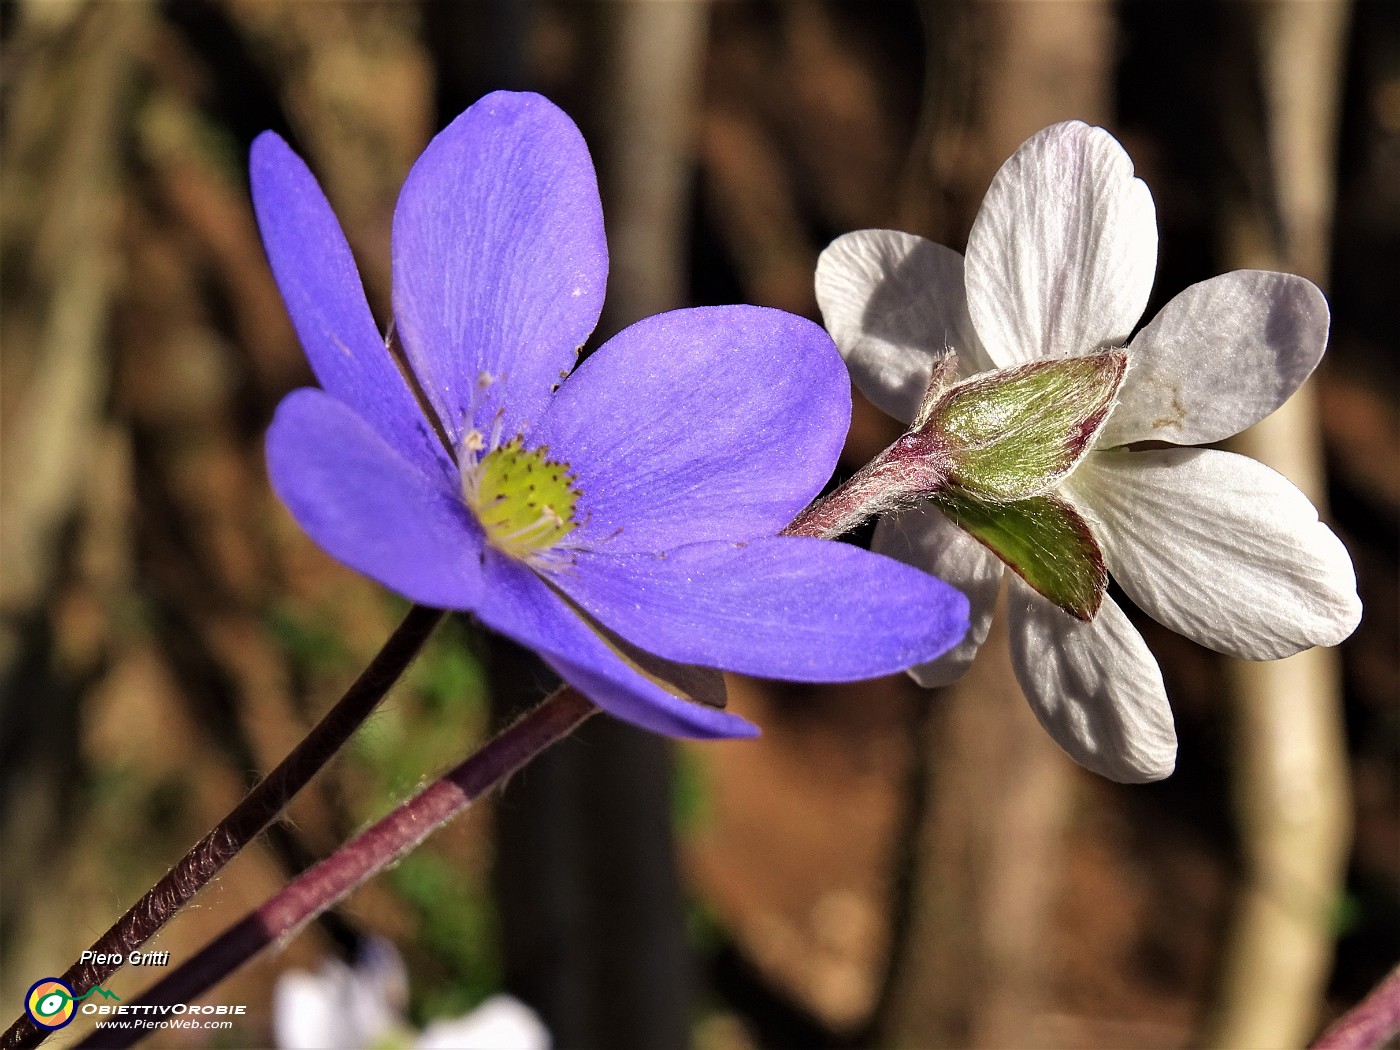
(1291, 789)
(969, 962)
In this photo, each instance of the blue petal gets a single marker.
(499, 259)
(369, 507)
(321, 287)
(780, 607)
(706, 424)
(523, 607)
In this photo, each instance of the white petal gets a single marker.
(1062, 253)
(500, 1023)
(1219, 357)
(1219, 548)
(895, 305)
(927, 540)
(378, 999)
(1095, 687)
(311, 1011)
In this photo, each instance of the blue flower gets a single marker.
(631, 504)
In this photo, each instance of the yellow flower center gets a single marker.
(524, 500)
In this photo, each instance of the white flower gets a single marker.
(344, 1008)
(1060, 262)
(500, 1023)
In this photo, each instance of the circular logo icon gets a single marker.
(50, 1003)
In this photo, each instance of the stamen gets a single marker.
(524, 501)
(496, 429)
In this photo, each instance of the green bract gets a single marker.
(1016, 433)
(1043, 539)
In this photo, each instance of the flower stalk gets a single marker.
(914, 467)
(247, 820)
(1371, 1023)
(324, 884)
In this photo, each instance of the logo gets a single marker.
(51, 1003)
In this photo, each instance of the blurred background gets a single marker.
(886, 866)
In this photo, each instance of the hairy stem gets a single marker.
(247, 820)
(1371, 1023)
(914, 466)
(330, 881)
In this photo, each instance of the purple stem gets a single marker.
(247, 820)
(324, 884)
(1371, 1023)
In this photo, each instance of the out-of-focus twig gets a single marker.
(650, 94)
(970, 969)
(1290, 774)
(61, 203)
(638, 989)
(73, 262)
(356, 84)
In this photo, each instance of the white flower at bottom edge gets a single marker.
(363, 1008)
(1218, 547)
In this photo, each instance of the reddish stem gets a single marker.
(247, 820)
(326, 883)
(1371, 1023)
(914, 466)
